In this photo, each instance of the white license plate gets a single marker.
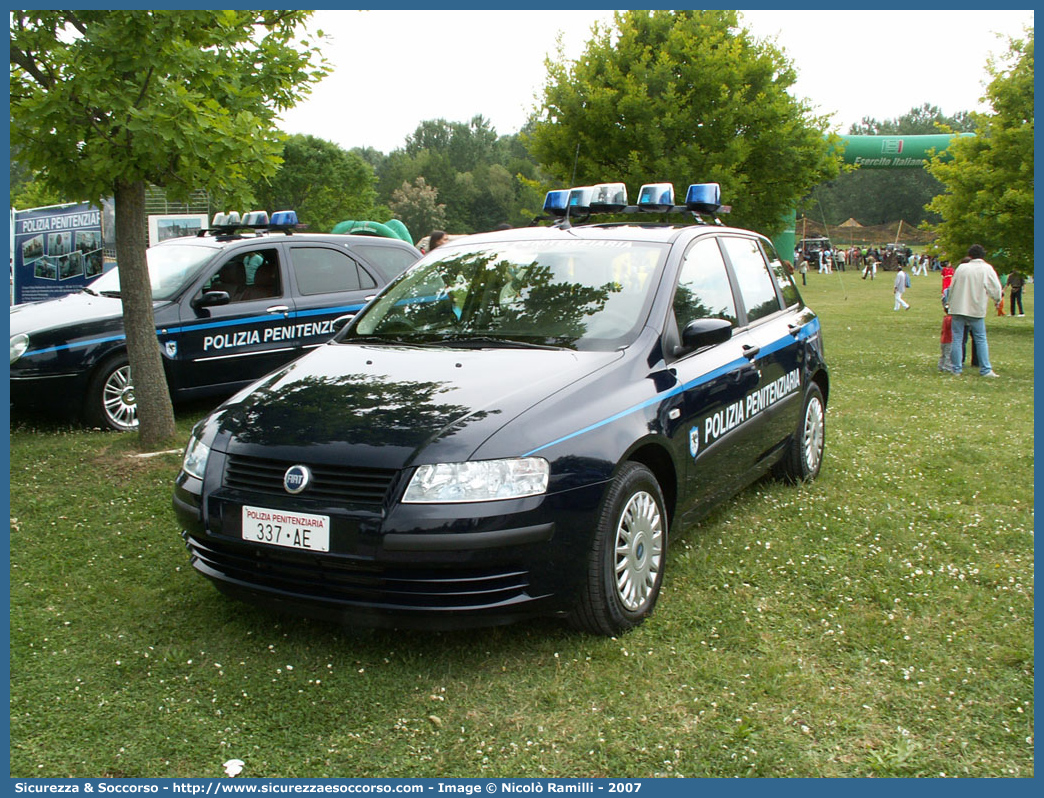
(289, 529)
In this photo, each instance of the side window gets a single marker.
(783, 276)
(392, 261)
(248, 275)
(755, 285)
(703, 286)
(324, 271)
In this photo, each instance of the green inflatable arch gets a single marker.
(877, 152)
(393, 228)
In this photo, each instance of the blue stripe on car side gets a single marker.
(806, 330)
(193, 327)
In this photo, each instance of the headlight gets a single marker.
(195, 461)
(482, 481)
(19, 343)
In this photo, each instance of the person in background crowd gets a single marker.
(899, 287)
(1015, 283)
(974, 284)
(803, 269)
(945, 342)
(947, 277)
(437, 238)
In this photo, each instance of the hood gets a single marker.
(79, 310)
(72, 309)
(388, 407)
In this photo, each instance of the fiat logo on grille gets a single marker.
(297, 478)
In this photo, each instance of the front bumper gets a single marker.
(430, 566)
(52, 392)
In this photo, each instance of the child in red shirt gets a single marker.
(945, 341)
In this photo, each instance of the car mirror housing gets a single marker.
(210, 299)
(705, 332)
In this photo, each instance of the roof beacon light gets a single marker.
(656, 197)
(703, 198)
(255, 219)
(608, 198)
(580, 199)
(284, 220)
(556, 202)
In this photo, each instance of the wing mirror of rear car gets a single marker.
(210, 299)
(705, 332)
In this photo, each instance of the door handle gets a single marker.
(278, 309)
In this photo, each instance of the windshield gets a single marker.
(574, 293)
(171, 268)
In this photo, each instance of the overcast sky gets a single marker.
(395, 69)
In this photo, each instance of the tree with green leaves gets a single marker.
(988, 197)
(686, 97)
(417, 206)
(323, 182)
(478, 175)
(105, 102)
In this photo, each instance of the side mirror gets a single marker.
(211, 299)
(705, 332)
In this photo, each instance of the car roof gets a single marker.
(625, 231)
(221, 241)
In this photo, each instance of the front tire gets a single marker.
(626, 562)
(111, 403)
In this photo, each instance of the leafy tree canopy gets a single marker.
(105, 102)
(988, 197)
(478, 175)
(183, 99)
(417, 206)
(684, 96)
(324, 183)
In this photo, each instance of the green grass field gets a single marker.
(877, 622)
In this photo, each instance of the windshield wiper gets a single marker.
(90, 291)
(483, 341)
(115, 294)
(386, 340)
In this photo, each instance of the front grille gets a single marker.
(332, 483)
(339, 580)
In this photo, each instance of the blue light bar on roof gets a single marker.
(580, 199)
(703, 197)
(285, 219)
(556, 202)
(656, 197)
(608, 198)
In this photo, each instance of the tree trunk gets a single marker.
(155, 412)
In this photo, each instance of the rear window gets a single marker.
(756, 287)
(325, 271)
(782, 276)
(392, 261)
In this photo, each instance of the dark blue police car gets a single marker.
(230, 305)
(514, 426)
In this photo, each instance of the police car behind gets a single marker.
(514, 427)
(230, 305)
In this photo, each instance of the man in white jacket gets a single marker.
(975, 289)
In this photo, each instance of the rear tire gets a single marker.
(111, 403)
(804, 456)
(626, 562)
